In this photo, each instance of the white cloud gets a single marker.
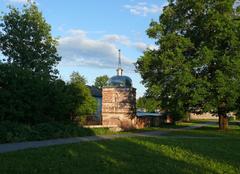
(143, 9)
(116, 38)
(141, 46)
(20, 1)
(77, 49)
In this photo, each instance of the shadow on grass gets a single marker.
(211, 130)
(208, 128)
(162, 127)
(203, 121)
(235, 123)
(233, 127)
(129, 155)
(223, 151)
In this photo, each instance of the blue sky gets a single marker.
(91, 31)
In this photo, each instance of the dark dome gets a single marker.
(120, 81)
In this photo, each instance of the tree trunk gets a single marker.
(223, 121)
(188, 116)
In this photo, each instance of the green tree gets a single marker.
(75, 77)
(81, 103)
(148, 103)
(101, 81)
(23, 96)
(196, 67)
(27, 78)
(26, 41)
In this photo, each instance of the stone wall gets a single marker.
(119, 106)
(203, 116)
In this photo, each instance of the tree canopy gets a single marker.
(30, 91)
(82, 101)
(101, 81)
(196, 67)
(26, 40)
(75, 77)
(148, 103)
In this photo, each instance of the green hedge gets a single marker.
(16, 132)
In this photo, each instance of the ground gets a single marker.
(204, 150)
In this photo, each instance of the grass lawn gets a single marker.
(167, 127)
(134, 155)
(211, 131)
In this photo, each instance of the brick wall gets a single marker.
(119, 106)
(202, 116)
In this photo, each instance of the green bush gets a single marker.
(231, 118)
(16, 132)
(28, 98)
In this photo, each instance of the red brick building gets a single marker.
(118, 105)
(119, 101)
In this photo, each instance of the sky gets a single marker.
(90, 32)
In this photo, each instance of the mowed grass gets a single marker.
(134, 155)
(233, 131)
(168, 127)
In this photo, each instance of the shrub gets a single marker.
(16, 132)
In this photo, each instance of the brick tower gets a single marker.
(119, 101)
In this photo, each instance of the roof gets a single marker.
(95, 91)
(148, 114)
(120, 81)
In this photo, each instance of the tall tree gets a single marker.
(75, 77)
(26, 41)
(196, 67)
(81, 102)
(101, 81)
(27, 77)
(147, 103)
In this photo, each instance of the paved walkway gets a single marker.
(10, 147)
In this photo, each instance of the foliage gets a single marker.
(81, 102)
(26, 97)
(27, 78)
(26, 41)
(17, 132)
(75, 77)
(30, 92)
(148, 103)
(196, 67)
(101, 81)
(22, 94)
